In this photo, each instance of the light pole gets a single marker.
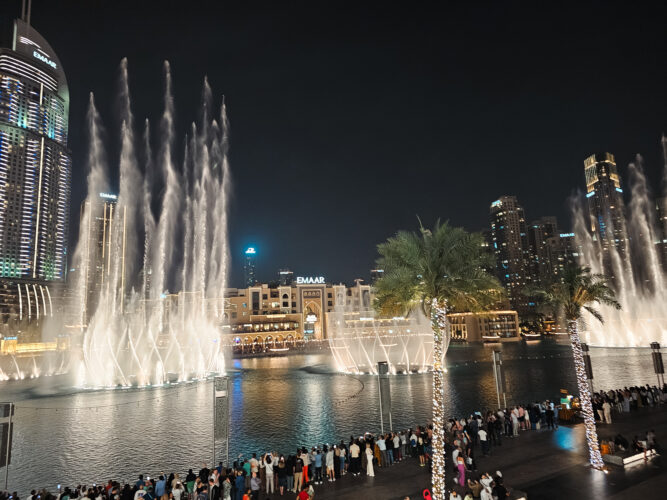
(499, 376)
(658, 366)
(385, 394)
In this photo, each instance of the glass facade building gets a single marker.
(35, 163)
(605, 202)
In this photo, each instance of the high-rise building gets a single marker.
(562, 252)
(539, 232)
(605, 202)
(35, 164)
(285, 277)
(98, 262)
(250, 268)
(509, 243)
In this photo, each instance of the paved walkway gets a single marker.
(544, 464)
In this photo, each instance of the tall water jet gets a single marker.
(359, 339)
(135, 331)
(636, 266)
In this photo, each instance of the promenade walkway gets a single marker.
(544, 464)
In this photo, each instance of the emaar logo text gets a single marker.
(44, 59)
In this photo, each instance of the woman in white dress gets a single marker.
(369, 460)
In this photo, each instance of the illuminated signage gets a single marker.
(43, 58)
(310, 280)
(567, 235)
(311, 318)
(496, 203)
(250, 251)
(108, 196)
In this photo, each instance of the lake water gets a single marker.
(67, 436)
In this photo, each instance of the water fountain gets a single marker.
(359, 340)
(137, 332)
(639, 276)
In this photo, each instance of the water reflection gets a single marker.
(276, 404)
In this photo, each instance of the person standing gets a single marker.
(282, 476)
(483, 439)
(305, 458)
(289, 464)
(329, 462)
(606, 409)
(369, 461)
(227, 489)
(254, 464)
(354, 458)
(267, 464)
(318, 466)
(298, 473)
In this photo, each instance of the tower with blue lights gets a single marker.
(35, 163)
(605, 203)
(249, 268)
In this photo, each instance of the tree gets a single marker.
(437, 271)
(577, 292)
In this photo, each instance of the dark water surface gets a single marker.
(70, 437)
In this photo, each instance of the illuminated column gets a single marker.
(439, 326)
(585, 396)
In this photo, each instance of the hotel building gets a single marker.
(275, 318)
(35, 176)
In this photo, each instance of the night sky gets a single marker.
(348, 121)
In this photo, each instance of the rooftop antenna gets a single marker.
(28, 12)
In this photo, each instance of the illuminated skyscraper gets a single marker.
(539, 233)
(249, 268)
(605, 202)
(106, 218)
(509, 243)
(35, 164)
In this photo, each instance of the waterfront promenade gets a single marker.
(543, 464)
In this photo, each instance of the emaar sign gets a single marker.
(44, 59)
(310, 280)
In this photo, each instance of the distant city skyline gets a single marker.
(342, 135)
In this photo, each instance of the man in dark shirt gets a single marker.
(203, 474)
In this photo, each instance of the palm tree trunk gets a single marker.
(439, 326)
(585, 396)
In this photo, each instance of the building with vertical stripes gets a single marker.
(35, 173)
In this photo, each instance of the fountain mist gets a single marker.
(139, 333)
(639, 276)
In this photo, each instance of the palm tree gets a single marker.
(577, 292)
(435, 270)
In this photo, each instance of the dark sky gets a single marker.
(349, 120)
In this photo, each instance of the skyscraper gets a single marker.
(98, 258)
(539, 233)
(249, 268)
(605, 202)
(509, 243)
(35, 164)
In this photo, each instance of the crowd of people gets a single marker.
(626, 400)
(302, 472)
